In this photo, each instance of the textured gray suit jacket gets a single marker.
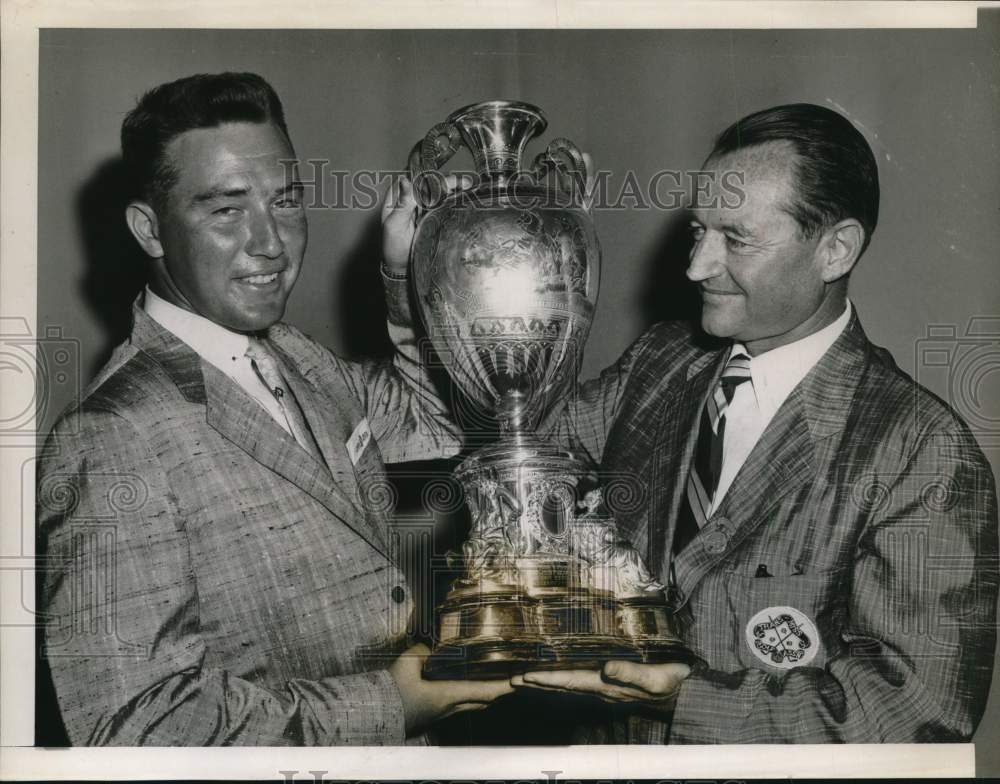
(868, 502)
(207, 580)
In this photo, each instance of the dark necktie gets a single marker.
(703, 478)
(268, 369)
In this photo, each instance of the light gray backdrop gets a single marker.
(637, 100)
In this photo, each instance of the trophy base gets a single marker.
(501, 659)
(546, 587)
(502, 634)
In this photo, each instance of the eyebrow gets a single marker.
(230, 193)
(739, 229)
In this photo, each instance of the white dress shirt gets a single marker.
(218, 346)
(774, 374)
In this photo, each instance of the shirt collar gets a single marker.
(212, 342)
(777, 372)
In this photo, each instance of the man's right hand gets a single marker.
(617, 681)
(426, 701)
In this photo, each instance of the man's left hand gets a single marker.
(399, 217)
(399, 220)
(617, 681)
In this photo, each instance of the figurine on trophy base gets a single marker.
(506, 275)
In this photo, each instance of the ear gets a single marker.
(142, 222)
(840, 248)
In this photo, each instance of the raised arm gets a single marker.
(404, 400)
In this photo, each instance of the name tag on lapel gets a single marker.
(358, 441)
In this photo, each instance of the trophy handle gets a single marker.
(429, 155)
(565, 159)
(440, 143)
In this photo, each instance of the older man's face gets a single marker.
(760, 280)
(233, 229)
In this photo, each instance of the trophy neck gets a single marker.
(496, 132)
(517, 418)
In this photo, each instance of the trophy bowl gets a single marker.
(506, 275)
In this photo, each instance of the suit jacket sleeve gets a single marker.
(122, 625)
(405, 402)
(918, 640)
(584, 420)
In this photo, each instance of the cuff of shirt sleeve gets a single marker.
(707, 710)
(397, 299)
(369, 711)
(395, 718)
(391, 275)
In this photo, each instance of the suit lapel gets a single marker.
(332, 428)
(327, 423)
(241, 420)
(678, 422)
(779, 464)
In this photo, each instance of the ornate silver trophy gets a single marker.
(506, 275)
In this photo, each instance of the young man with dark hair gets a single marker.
(826, 526)
(219, 569)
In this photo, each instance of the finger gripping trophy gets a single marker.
(506, 275)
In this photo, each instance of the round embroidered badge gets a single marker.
(783, 637)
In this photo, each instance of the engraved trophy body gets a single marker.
(506, 275)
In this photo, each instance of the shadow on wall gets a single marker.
(50, 732)
(114, 275)
(115, 264)
(360, 297)
(668, 294)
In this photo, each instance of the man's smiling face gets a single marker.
(760, 279)
(232, 227)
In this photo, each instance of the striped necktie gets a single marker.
(703, 478)
(268, 369)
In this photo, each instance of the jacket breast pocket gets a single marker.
(786, 622)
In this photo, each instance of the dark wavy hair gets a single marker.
(199, 101)
(836, 173)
